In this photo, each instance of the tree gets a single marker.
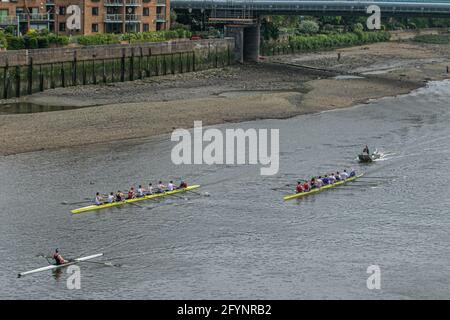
(308, 27)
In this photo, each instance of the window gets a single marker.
(95, 11)
(146, 12)
(34, 10)
(62, 11)
(62, 26)
(146, 27)
(95, 27)
(4, 12)
(146, 1)
(158, 10)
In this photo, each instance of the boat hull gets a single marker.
(329, 186)
(53, 267)
(130, 201)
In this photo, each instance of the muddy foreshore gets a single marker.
(157, 105)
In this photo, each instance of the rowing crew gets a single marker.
(318, 182)
(139, 193)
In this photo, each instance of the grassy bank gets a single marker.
(433, 38)
(307, 43)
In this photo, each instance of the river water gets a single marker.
(242, 241)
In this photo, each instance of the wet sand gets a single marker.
(239, 93)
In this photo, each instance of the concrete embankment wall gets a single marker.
(25, 72)
(55, 55)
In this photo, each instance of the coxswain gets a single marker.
(111, 197)
(183, 185)
(299, 188)
(98, 199)
(366, 150)
(131, 193)
(58, 258)
(171, 186)
(161, 187)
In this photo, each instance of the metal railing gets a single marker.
(7, 20)
(161, 18)
(119, 17)
(33, 16)
(119, 3)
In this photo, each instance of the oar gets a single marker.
(79, 202)
(108, 264)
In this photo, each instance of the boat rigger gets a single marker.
(133, 200)
(57, 266)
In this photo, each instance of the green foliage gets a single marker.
(97, 39)
(269, 30)
(308, 27)
(433, 38)
(34, 40)
(304, 43)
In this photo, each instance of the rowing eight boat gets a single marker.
(328, 186)
(54, 266)
(128, 201)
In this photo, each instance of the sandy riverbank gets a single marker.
(239, 93)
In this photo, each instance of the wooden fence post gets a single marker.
(18, 81)
(30, 76)
(122, 66)
(132, 65)
(5, 81)
(63, 76)
(74, 69)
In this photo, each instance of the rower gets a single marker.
(183, 185)
(141, 191)
(366, 150)
(111, 197)
(313, 183)
(58, 258)
(119, 196)
(131, 193)
(352, 173)
(150, 188)
(171, 186)
(306, 186)
(325, 180)
(299, 188)
(98, 199)
(332, 178)
(161, 187)
(344, 175)
(319, 182)
(338, 176)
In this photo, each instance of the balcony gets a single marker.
(33, 17)
(160, 18)
(118, 18)
(160, 3)
(49, 2)
(119, 3)
(8, 20)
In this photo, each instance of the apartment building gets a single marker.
(76, 17)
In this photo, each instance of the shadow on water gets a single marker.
(28, 107)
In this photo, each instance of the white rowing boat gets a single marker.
(54, 266)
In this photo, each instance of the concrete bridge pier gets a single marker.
(246, 41)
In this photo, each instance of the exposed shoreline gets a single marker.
(158, 105)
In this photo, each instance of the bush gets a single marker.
(308, 27)
(97, 39)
